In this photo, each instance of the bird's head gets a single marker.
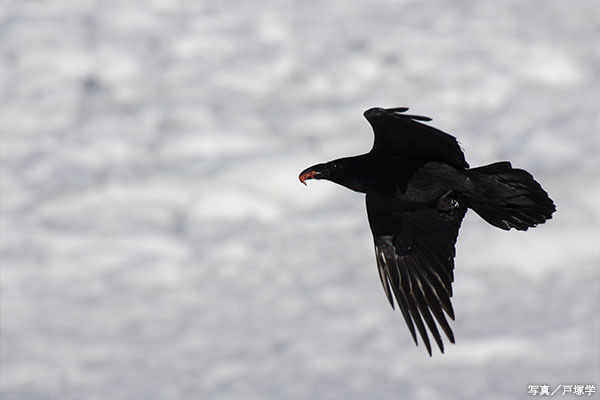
(348, 172)
(320, 171)
(363, 174)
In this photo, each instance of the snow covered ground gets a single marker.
(155, 240)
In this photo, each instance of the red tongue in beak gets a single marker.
(307, 175)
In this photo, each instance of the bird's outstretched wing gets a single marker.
(415, 257)
(401, 135)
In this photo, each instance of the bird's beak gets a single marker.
(307, 175)
(314, 172)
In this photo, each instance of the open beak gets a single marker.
(307, 175)
(313, 172)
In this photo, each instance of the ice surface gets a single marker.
(156, 242)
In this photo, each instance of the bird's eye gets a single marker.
(334, 166)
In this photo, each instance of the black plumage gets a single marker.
(418, 188)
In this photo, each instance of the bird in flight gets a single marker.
(418, 188)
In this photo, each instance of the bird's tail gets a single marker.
(507, 197)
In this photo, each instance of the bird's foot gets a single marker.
(446, 205)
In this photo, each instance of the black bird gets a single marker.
(418, 188)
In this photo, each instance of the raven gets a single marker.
(418, 188)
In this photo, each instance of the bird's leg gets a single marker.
(446, 205)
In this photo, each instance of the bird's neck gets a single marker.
(370, 174)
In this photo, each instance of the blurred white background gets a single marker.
(155, 240)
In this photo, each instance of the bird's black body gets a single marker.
(418, 188)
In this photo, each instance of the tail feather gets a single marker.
(508, 197)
